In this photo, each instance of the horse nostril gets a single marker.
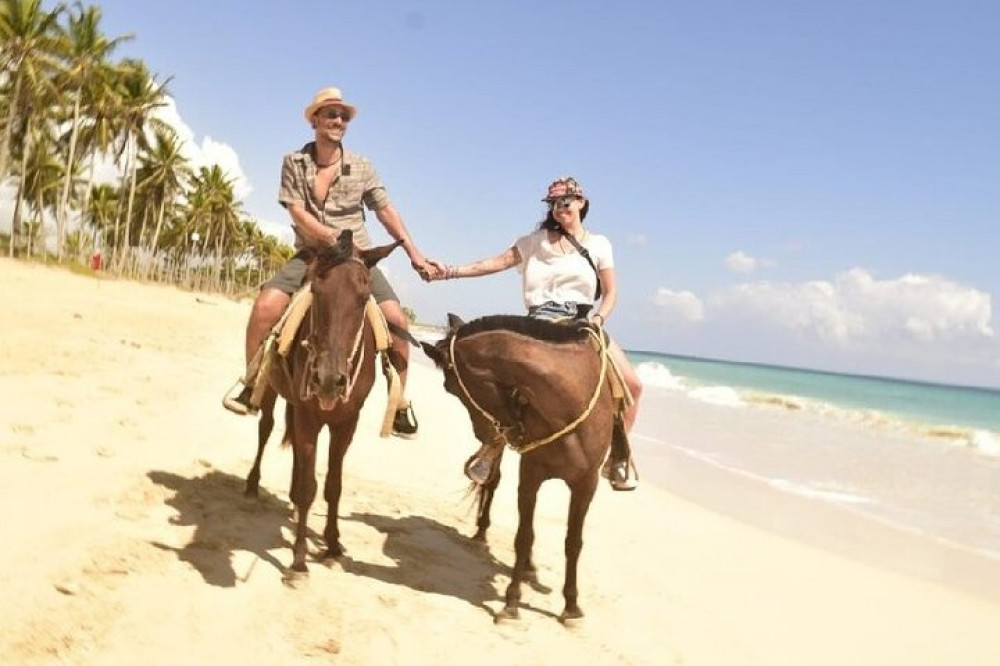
(341, 381)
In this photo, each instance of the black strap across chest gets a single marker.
(586, 255)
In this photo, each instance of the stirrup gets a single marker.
(404, 423)
(238, 399)
(620, 478)
(481, 465)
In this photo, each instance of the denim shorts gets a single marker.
(553, 311)
(291, 276)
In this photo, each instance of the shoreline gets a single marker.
(837, 528)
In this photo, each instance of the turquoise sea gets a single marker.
(967, 415)
(924, 458)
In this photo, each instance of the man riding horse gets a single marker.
(325, 189)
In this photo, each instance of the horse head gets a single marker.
(492, 402)
(340, 279)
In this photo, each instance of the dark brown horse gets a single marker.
(324, 380)
(541, 388)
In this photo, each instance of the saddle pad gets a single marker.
(289, 324)
(296, 312)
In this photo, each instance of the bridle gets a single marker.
(503, 432)
(310, 378)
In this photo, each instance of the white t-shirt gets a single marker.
(557, 271)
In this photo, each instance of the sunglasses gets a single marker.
(334, 113)
(562, 202)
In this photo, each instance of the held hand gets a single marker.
(424, 267)
(419, 264)
(436, 270)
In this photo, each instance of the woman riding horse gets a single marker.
(565, 269)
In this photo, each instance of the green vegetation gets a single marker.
(65, 107)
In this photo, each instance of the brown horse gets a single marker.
(541, 388)
(325, 379)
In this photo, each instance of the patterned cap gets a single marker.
(564, 187)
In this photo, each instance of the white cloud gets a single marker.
(208, 152)
(855, 309)
(740, 262)
(281, 231)
(682, 304)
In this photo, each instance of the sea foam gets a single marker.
(657, 374)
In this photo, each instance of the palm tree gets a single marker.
(102, 124)
(29, 57)
(99, 214)
(140, 96)
(164, 173)
(86, 50)
(214, 203)
(40, 177)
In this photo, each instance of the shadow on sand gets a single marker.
(427, 555)
(224, 522)
(434, 558)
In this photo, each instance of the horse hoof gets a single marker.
(332, 557)
(295, 579)
(506, 615)
(570, 619)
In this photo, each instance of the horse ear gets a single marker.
(376, 254)
(435, 354)
(454, 321)
(345, 239)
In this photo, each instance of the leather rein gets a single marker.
(503, 433)
(309, 380)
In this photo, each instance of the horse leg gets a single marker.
(264, 428)
(527, 497)
(304, 433)
(485, 503)
(340, 440)
(579, 503)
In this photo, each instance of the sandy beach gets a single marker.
(127, 540)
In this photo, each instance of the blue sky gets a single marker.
(801, 183)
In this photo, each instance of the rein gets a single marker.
(307, 390)
(503, 430)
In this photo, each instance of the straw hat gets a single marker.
(328, 97)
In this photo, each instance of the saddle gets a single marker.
(279, 343)
(619, 390)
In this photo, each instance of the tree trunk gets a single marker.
(15, 220)
(131, 198)
(63, 210)
(159, 225)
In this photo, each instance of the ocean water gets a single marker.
(965, 415)
(921, 457)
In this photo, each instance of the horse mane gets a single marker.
(322, 259)
(539, 329)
